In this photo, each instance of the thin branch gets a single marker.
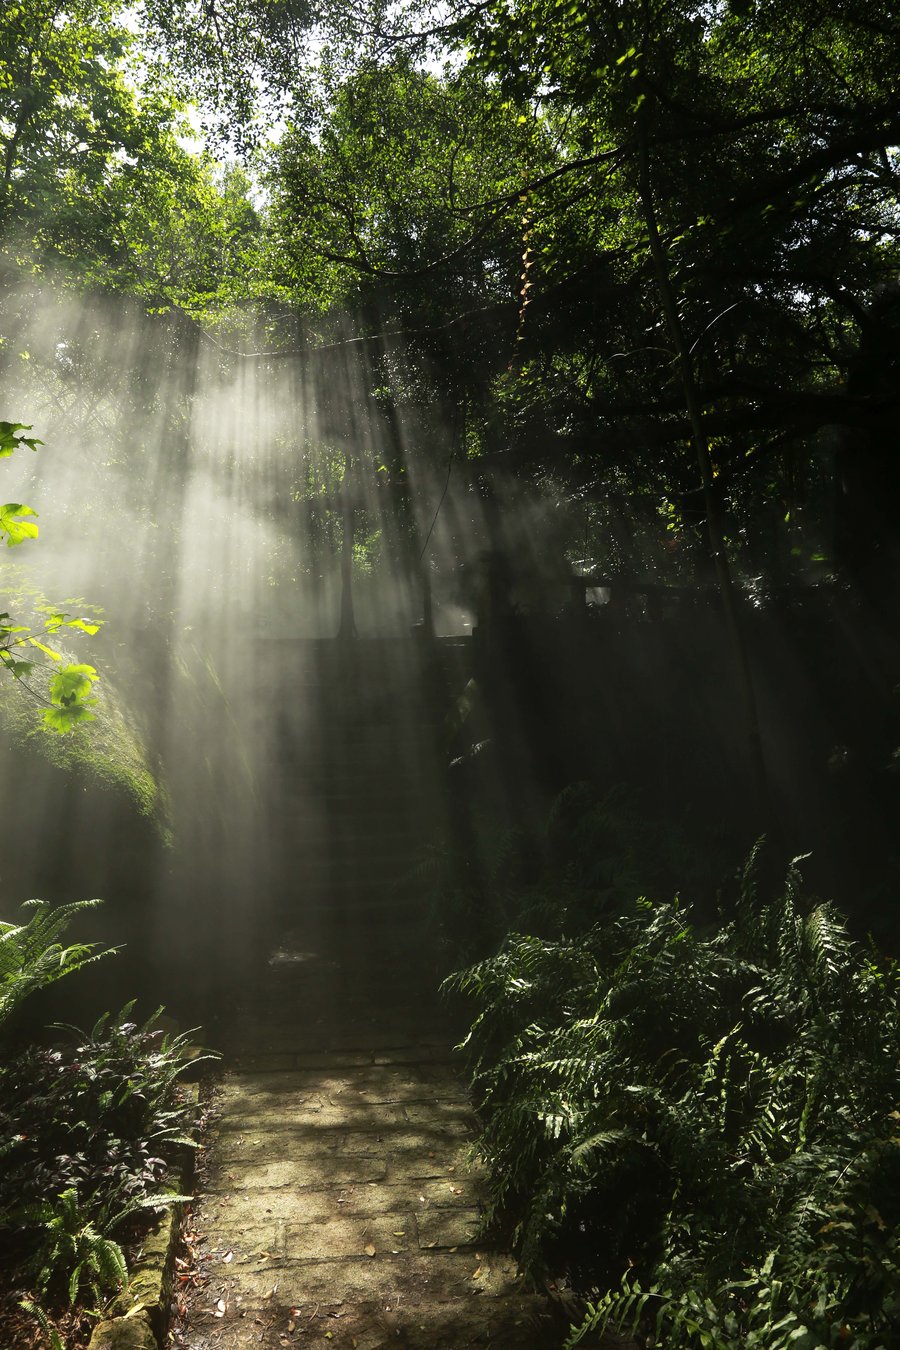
(535, 184)
(278, 353)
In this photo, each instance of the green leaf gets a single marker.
(68, 718)
(42, 647)
(18, 669)
(72, 685)
(16, 530)
(10, 440)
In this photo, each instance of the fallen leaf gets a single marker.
(229, 1256)
(399, 1232)
(219, 1310)
(370, 1250)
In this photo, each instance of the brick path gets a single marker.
(340, 1211)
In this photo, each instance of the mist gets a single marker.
(290, 562)
(199, 503)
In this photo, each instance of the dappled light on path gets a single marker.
(340, 1205)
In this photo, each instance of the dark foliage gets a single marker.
(593, 852)
(89, 1135)
(712, 1112)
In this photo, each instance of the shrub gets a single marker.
(70, 1246)
(88, 1137)
(712, 1112)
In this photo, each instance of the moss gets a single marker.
(125, 1333)
(110, 750)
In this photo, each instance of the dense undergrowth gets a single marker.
(590, 856)
(92, 1128)
(696, 1121)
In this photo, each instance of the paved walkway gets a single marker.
(339, 1207)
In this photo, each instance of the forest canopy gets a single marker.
(466, 184)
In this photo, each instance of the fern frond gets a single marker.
(31, 955)
(55, 1341)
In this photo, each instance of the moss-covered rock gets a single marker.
(109, 751)
(125, 1333)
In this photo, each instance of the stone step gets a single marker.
(348, 838)
(346, 903)
(321, 872)
(392, 771)
(324, 868)
(338, 781)
(340, 1207)
(316, 818)
(347, 804)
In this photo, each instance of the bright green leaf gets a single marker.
(10, 440)
(48, 651)
(18, 669)
(66, 719)
(72, 684)
(16, 529)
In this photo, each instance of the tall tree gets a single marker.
(96, 180)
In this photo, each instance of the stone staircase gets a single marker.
(355, 790)
(339, 1207)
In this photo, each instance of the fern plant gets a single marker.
(75, 1250)
(135, 1068)
(94, 1123)
(51, 1333)
(32, 955)
(707, 1110)
(71, 1243)
(102, 1113)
